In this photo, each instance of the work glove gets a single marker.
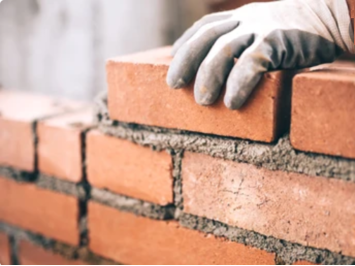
(286, 34)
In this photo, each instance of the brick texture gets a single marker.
(30, 254)
(129, 169)
(41, 211)
(323, 112)
(4, 250)
(60, 145)
(129, 239)
(18, 111)
(313, 211)
(138, 93)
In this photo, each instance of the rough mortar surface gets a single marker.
(135, 206)
(287, 252)
(277, 156)
(68, 252)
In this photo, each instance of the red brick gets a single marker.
(138, 93)
(323, 111)
(304, 262)
(60, 145)
(129, 169)
(18, 111)
(4, 250)
(129, 239)
(30, 254)
(41, 211)
(312, 211)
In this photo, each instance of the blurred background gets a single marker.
(60, 47)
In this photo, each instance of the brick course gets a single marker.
(41, 211)
(18, 111)
(130, 239)
(312, 211)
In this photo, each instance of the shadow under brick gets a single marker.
(135, 206)
(276, 156)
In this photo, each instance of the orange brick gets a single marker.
(41, 211)
(129, 239)
(60, 145)
(18, 111)
(323, 111)
(129, 169)
(312, 211)
(304, 262)
(138, 93)
(4, 250)
(30, 254)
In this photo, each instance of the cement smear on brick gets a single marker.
(277, 156)
(135, 206)
(69, 252)
(286, 252)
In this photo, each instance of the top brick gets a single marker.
(138, 94)
(323, 110)
(18, 111)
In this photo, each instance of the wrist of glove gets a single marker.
(264, 37)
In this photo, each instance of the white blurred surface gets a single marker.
(59, 47)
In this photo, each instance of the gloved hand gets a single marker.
(278, 35)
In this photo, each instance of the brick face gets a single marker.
(18, 111)
(138, 93)
(313, 211)
(323, 112)
(129, 169)
(41, 211)
(60, 145)
(145, 241)
(30, 254)
(4, 250)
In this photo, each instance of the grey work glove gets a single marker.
(278, 35)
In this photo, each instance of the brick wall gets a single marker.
(146, 176)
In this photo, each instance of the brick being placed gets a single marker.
(323, 110)
(137, 93)
(61, 143)
(39, 210)
(311, 211)
(18, 113)
(130, 239)
(129, 169)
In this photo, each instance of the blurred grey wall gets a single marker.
(59, 47)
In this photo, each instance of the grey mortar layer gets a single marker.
(131, 205)
(66, 251)
(62, 186)
(286, 252)
(277, 156)
(17, 175)
(46, 182)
